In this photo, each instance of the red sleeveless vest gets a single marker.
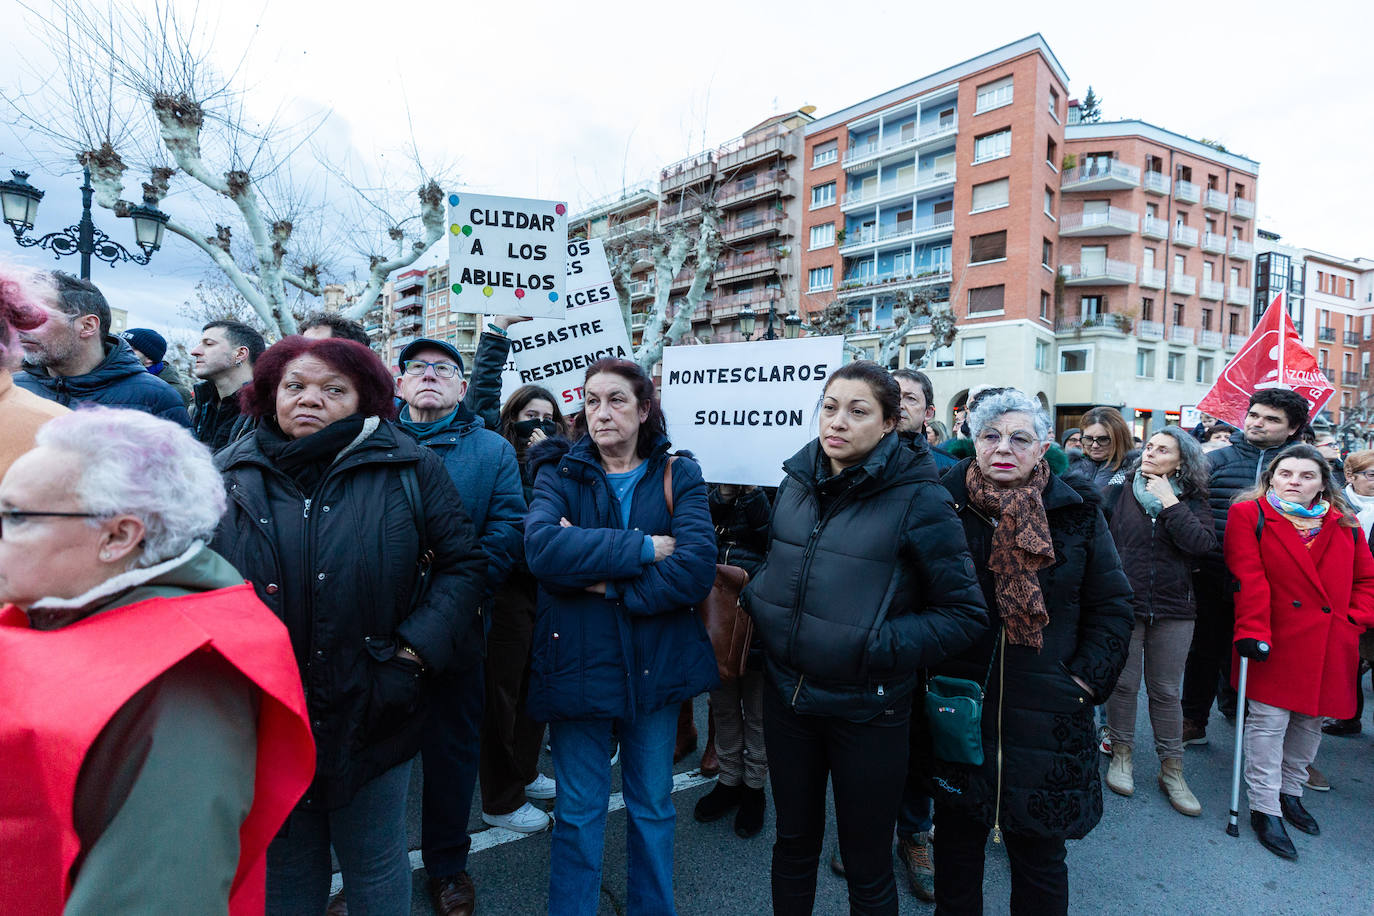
(59, 688)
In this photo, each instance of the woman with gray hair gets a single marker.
(152, 704)
(1062, 620)
(1161, 525)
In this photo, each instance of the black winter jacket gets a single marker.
(339, 568)
(741, 528)
(119, 381)
(219, 421)
(1159, 555)
(1233, 470)
(1043, 734)
(867, 582)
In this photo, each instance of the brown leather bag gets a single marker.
(730, 629)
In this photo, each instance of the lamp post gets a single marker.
(748, 322)
(19, 201)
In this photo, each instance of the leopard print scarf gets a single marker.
(1021, 546)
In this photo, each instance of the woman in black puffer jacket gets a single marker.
(1062, 611)
(867, 582)
(1162, 528)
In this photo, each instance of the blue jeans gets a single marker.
(450, 753)
(369, 836)
(582, 766)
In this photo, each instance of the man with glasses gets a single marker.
(483, 467)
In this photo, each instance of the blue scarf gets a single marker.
(1318, 509)
(1151, 503)
(420, 430)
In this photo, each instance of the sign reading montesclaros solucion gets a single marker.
(507, 255)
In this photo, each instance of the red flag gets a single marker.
(1273, 357)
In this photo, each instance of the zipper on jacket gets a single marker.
(307, 509)
(1154, 527)
(1001, 696)
(800, 678)
(807, 556)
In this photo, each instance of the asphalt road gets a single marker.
(1142, 858)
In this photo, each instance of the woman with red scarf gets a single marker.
(1306, 593)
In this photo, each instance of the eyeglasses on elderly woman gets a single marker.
(1021, 442)
(19, 516)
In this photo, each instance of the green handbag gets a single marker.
(954, 714)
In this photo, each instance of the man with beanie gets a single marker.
(151, 349)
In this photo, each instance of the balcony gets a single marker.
(928, 180)
(465, 323)
(869, 283)
(1350, 379)
(373, 330)
(1212, 289)
(638, 320)
(743, 151)
(1186, 192)
(408, 302)
(741, 266)
(1185, 235)
(1213, 199)
(1113, 221)
(1213, 243)
(1152, 277)
(629, 226)
(1156, 183)
(1238, 295)
(1183, 284)
(1242, 250)
(687, 172)
(409, 281)
(1235, 341)
(1352, 338)
(753, 188)
(683, 209)
(1242, 208)
(641, 289)
(758, 299)
(1121, 324)
(1180, 335)
(1150, 330)
(1152, 227)
(1103, 273)
(739, 230)
(1329, 373)
(1326, 335)
(863, 154)
(409, 325)
(1100, 176)
(1210, 339)
(400, 343)
(939, 224)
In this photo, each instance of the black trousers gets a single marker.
(866, 766)
(1039, 874)
(1207, 673)
(511, 740)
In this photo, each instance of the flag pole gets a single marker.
(1282, 302)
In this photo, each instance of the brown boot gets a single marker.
(1120, 778)
(686, 732)
(1171, 781)
(710, 764)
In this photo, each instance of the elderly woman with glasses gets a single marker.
(154, 734)
(1061, 608)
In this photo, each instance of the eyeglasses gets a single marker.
(1097, 440)
(418, 367)
(1020, 442)
(1367, 475)
(20, 515)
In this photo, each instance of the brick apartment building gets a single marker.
(614, 218)
(415, 304)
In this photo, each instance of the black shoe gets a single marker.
(1295, 814)
(749, 817)
(1269, 831)
(717, 803)
(1342, 727)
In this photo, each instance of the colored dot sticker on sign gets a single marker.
(553, 297)
(467, 230)
(486, 290)
(453, 200)
(457, 287)
(519, 294)
(560, 209)
(455, 228)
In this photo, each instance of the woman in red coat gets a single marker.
(1306, 592)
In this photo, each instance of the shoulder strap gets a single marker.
(1259, 521)
(411, 485)
(668, 482)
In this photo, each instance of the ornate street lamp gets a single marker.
(748, 320)
(791, 326)
(19, 201)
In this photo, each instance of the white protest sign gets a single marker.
(744, 408)
(556, 354)
(1189, 416)
(507, 255)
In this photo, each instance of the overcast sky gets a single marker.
(573, 101)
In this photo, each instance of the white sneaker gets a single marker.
(543, 788)
(525, 819)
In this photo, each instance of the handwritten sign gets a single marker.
(744, 408)
(507, 255)
(556, 354)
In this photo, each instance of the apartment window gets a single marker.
(1207, 319)
(993, 95)
(975, 351)
(1144, 363)
(1234, 323)
(1046, 253)
(823, 195)
(1174, 367)
(1075, 360)
(823, 236)
(986, 299)
(1044, 304)
(989, 247)
(1042, 356)
(432, 324)
(1147, 309)
(825, 153)
(989, 195)
(1204, 370)
(1179, 312)
(1180, 264)
(916, 356)
(1051, 153)
(1049, 202)
(992, 146)
(821, 278)
(1090, 307)
(944, 357)
(1054, 104)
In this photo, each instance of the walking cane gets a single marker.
(1233, 826)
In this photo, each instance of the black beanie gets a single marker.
(148, 342)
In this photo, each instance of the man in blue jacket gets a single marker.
(71, 357)
(483, 467)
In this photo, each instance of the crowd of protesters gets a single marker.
(327, 568)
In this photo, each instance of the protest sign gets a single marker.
(1272, 357)
(744, 408)
(507, 255)
(556, 354)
